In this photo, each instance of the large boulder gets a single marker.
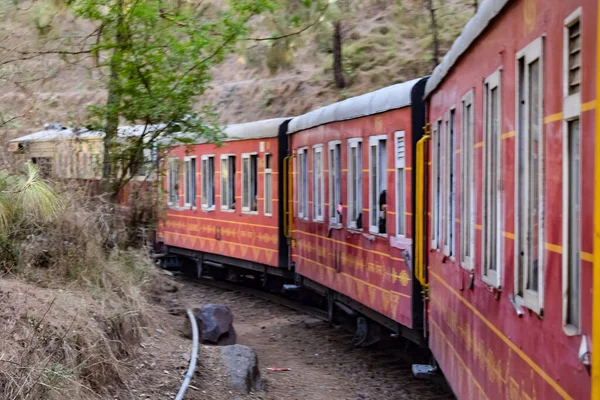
(241, 364)
(215, 325)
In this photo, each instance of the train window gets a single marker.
(208, 182)
(303, 183)
(400, 150)
(250, 182)
(318, 184)
(189, 172)
(228, 182)
(378, 184)
(572, 230)
(530, 177)
(355, 194)
(467, 209)
(436, 179)
(335, 182)
(268, 185)
(450, 181)
(173, 181)
(572, 174)
(492, 180)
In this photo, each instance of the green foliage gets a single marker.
(25, 196)
(159, 54)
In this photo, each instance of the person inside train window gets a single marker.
(255, 204)
(383, 209)
(339, 210)
(359, 221)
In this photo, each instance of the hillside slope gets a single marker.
(384, 42)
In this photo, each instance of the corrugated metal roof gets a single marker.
(388, 98)
(488, 10)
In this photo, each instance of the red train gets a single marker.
(453, 210)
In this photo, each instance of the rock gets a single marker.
(215, 325)
(241, 364)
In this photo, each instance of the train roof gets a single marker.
(57, 132)
(487, 11)
(388, 98)
(250, 130)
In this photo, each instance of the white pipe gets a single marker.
(192, 368)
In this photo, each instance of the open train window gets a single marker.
(303, 183)
(437, 185)
(400, 169)
(492, 181)
(173, 182)
(227, 182)
(268, 184)
(378, 184)
(208, 182)
(318, 184)
(529, 238)
(572, 175)
(467, 207)
(355, 194)
(335, 182)
(449, 183)
(189, 171)
(250, 183)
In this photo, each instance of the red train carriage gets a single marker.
(223, 203)
(352, 221)
(512, 111)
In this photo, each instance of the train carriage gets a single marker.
(223, 203)
(352, 216)
(510, 222)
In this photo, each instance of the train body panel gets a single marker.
(234, 209)
(338, 242)
(496, 336)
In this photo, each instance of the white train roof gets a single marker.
(250, 130)
(487, 11)
(388, 98)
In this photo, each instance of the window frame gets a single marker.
(450, 183)
(170, 203)
(494, 189)
(375, 141)
(189, 160)
(571, 113)
(268, 172)
(248, 156)
(400, 170)
(317, 149)
(224, 203)
(436, 212)
(530, 299)
(331, 147)
(467, 214)
(206, 175)
(303, 185)
(355, 204)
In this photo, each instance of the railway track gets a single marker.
(389, 361)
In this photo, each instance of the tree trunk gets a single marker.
(338, 73)
(475, 5)
(112, 103)
(434, 32)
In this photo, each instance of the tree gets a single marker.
(156, 57)
(338, 73)
(434, 31)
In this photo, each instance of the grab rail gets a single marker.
(288, 205)
(420, 268)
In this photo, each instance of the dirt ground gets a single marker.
(322, 361)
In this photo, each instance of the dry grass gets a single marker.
(74, 302)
